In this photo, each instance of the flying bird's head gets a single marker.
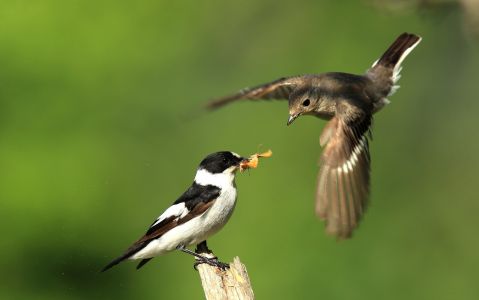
(302, 102)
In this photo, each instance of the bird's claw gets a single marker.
(223, 266)
(212, 262)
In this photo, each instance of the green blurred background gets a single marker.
(100, 132)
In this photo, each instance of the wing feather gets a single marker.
(193, 203)
(343, 179)
(278, 89)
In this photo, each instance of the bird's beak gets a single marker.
(243, 161)
(292, 118)
(243, 164)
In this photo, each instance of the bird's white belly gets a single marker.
(195, 230)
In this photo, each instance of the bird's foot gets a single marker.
(207, 258)
(213, 261)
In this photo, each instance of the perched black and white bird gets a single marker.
(348, 101)
(202, 210)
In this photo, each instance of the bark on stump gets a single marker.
(230, 284)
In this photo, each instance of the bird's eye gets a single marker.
(306, 102)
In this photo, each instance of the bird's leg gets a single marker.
(203, 259)
(203, 248)
(188, 251)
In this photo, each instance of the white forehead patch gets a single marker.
(236, 154)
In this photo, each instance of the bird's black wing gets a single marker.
(343, 179)
(193, 203)
(278, 89)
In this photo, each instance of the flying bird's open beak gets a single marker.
(291, 119)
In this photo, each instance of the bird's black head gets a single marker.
(220, 162)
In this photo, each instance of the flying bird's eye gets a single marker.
(306, 102)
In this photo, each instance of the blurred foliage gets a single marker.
(100, 130)
(469, 10)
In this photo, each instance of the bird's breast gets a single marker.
(326, 109)
(220, 212)
(325, 113)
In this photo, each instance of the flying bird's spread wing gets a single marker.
(343, 179)
(278, 89)
(193, 203)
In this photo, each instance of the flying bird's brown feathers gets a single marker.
(348, 101)
(343, 179)
(278, 89)
(382, 72)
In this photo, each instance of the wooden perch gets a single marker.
(231, 284)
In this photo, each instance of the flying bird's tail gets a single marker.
(385, 71)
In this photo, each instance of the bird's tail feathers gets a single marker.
(131, 251)
(388, 66)
(143, 262)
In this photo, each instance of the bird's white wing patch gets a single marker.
(177, 210)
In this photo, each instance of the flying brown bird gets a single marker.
(348, 102)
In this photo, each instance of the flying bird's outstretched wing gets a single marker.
(343, 179)
(278, 89)
(193, 203)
